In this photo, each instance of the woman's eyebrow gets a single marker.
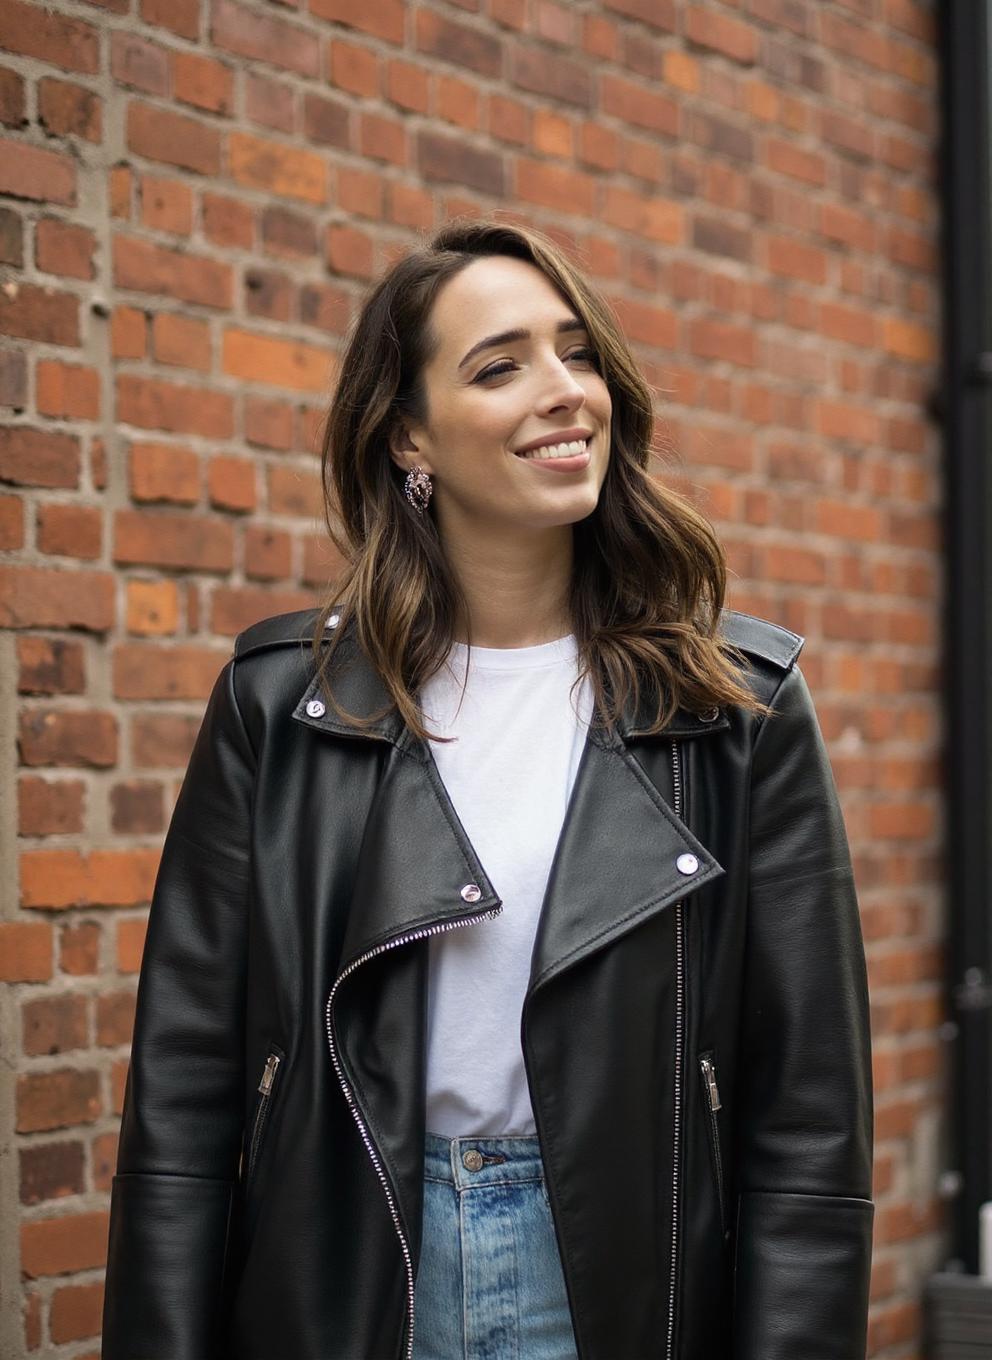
(572, 323)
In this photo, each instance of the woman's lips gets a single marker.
(574, 463)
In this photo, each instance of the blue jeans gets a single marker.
(489, 1285)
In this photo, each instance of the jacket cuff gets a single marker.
(801, 1276)
(165, 1267)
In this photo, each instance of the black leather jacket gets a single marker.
(695, 1032)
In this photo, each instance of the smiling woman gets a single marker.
(504, 991)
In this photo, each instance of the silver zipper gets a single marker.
(436, 929)
(265, 1087)
(679, 1043)
(713, 1099)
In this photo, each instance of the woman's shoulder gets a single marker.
(771, 650)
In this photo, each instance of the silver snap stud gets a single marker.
(471, 892)
(316, 709)
(687, 864)
(472, 1159)
(710, 715)
(333, 621)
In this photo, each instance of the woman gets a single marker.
(504, 991)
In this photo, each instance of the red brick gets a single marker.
(203, 82)
(13, 106)
(720, 33)
(44, 314)
(462, 45)
(65, 249)
(114, 1018)
(408, 86)
(77, 738)
(228, 222)
(53, 879)
(35, 172)
(166, 205)
(54, 1100)
(152, 608)
(103, 1158)
(67, 391)
(34, 597)
(277, 168)
(130, 944)
(35, 31)
(162, 740)
(146, 671)
(128, 333)
(271, 103)
(181, 340)
(51, 1171)
(291, 492)
(231, 484)
(164, 539)
(151, 268)
(164, 472)
(379, 18)
(264, 38)
(54, 1024)
(156, 405)
(181, 17)
(76, 1312)
(50, 807)
(50, 666)
(349, 251)
(268, 553)
(79, 948)
(268, 423)
(25, 951)
(66, 109)
(137, 808)
(64, 1245)
(139, 63)
(354, 68)
(173, 138)
(235, 609)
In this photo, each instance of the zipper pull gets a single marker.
(709, 1076)
(271, 1063)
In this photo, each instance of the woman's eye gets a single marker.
(505, 365)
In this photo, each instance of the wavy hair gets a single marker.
(649, 574)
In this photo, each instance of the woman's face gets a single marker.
(490, 395)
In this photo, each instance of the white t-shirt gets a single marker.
(509, 775)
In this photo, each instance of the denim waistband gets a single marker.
(508, 1157)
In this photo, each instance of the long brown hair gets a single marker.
(649, 574)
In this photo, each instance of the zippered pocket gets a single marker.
(266, 1089)
(712, 1103)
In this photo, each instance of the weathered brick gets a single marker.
(276, 42)
(67, 391)
(66, 109)
(114, 1018)
(63, 1245)
(25, 951)
(165, 539)
(32, 313)
(50, 737)
(147, 671)
(79, 948)
(33, 31)
(54, 1024)
(450, 160)
(54, 1100)
(181, 340)
(173, 138)
(48, 807)
(153, 404)
(150, 268)
(379, 18)
(277, 167)
(51, 1171)
(50, 666)
(53, 879)
(65, 249)
(152, 608)
(130, 944)
(137, 808)
(466, 47)
(76, 1312)
(203, 82)
(35, 597)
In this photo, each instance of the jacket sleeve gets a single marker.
(804, 1156)
(180, 1143)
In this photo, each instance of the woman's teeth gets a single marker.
(568, 450)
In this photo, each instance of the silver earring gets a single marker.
(418, 487)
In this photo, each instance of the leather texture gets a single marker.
(305, 868)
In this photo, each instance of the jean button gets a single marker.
(472, 1159)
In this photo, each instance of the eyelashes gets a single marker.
(507, 365)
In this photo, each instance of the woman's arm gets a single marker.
(180, 1141)
(804, 1158)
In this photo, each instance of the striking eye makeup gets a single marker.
(507, 365)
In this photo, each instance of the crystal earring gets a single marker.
(418, 487)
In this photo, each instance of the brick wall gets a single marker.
(195, 193)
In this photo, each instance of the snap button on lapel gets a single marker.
(709, 715)
(471, 892)
(333, 621)
(316, 709)
(687, 864)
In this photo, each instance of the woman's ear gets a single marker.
(403, 451)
